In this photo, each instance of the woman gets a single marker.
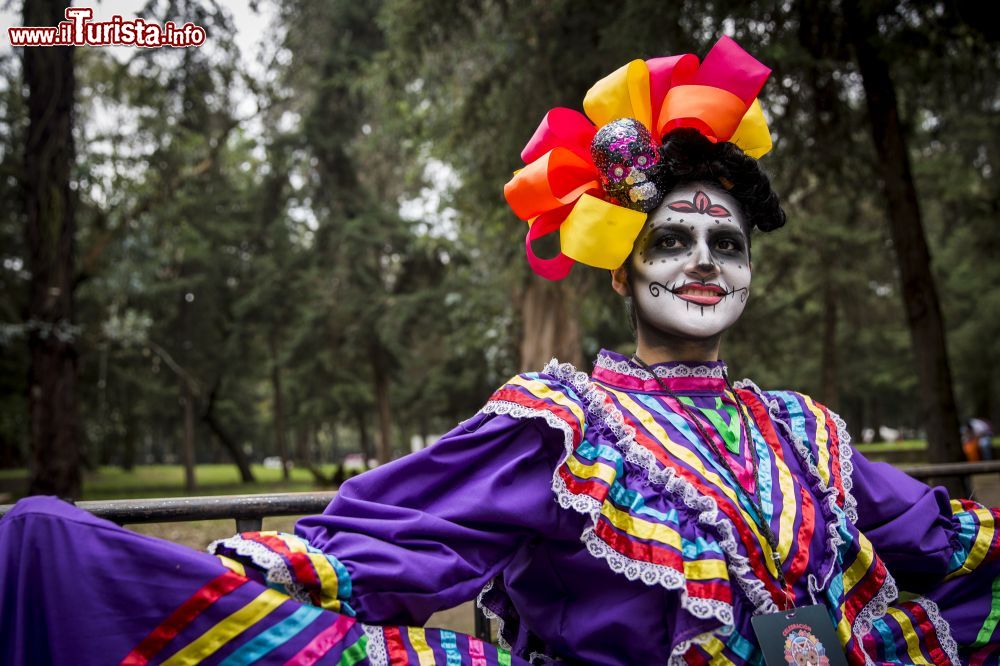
(642, 514)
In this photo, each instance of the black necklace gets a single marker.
(753, 498)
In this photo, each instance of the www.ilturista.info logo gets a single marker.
(79, 30)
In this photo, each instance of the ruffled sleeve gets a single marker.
(947, 550)
(429, 530)
(909, 523)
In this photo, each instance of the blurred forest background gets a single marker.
(313, 256)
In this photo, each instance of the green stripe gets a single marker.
(355, 653)
(729, 434)
(990, 625)
(503, 657)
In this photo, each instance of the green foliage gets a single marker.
(337, 215)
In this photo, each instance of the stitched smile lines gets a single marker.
(703, 294)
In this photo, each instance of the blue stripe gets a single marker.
(888, 640)
(741, 647)
(682, 426)
(274, 637)
(797, 418)
(449, 642)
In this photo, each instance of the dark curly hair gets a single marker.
(688, 156)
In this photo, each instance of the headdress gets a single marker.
(593, 177)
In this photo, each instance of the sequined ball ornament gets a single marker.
(628, 160)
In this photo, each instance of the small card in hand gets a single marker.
(799, 637)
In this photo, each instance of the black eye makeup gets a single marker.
(676, 236)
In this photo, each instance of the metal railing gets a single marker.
(249, 511)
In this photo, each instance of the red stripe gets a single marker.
(394, 644)
(979, 656)
(710, 590)
(646, 552)
(754, 553)
(834, 446)
(182, 617)
(522, 398)
(593, 487)
(924, 624)
(994, 550)
(302, 566)
(322, 643)
(863, 592)
(800, 561)
(696, 656)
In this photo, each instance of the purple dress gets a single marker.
(587, 514)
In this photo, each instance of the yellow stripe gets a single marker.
(540, 390)
(293, 543)
(790, 502)
(861, 564)
(705, 569)
(641, 528)
(692, 460)
(714, 647)
(425, 656)
(981, 548)
(329, 584)
(232, 565)
(822, 440)
(956, 506)
(224, 631)
(595, 470)
(843, 630)
(912, 640)
(984, 537)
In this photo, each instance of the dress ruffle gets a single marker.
(649, 523)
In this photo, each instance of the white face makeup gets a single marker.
(691, 265)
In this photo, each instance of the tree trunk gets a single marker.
(225, 439)
(363, 436)
(279, 405)
(131, 433)
(187, 445)
(923, 310)
(549, 324)
(380, 377)
(50, 240)
(829, 391)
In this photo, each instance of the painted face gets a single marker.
(691, 265)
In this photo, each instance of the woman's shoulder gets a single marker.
(559, 394)
(794, 406)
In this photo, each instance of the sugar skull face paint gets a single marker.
(691, 264)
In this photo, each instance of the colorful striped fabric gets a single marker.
(242, 622)
(978, 534)
(627, 444)
(302, 571)
(416, 646)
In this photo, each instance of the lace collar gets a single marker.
(620, 371)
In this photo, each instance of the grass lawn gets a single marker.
(901, 445)
(168, 481)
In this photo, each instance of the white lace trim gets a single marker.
(266, 560)
(502, 640)
(846, 467)
(677, 654)
(708, 513)
(630, 369)
(879, 603)
(941, 627)
(377, 653)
